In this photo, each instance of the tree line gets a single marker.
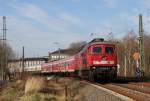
(6, 54)
(127, 46)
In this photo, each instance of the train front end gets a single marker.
(102, 59)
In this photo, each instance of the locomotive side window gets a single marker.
(109, 50)
(97, 50)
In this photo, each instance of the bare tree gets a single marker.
(5, 53)
(77, 46)
(147, 54)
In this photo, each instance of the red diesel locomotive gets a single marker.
(98, 59)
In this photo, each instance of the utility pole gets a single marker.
(59, 53)
(141, 44)
(110, 36)
(4, 51)
(125, 63)
(22, 74)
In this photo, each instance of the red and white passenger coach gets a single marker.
(97, 59)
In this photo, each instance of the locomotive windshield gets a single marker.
(109, 50)
(97, 50)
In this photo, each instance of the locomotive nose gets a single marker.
(103, 55)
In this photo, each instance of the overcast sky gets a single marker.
(38, 24)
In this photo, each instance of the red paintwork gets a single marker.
(84, 59)
(60, 66)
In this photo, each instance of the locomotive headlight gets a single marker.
(95, 62)
(111, 62)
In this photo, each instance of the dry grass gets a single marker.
(12, 92)
(36, 89)
(34, 84)
(38, 97)
(9, 95)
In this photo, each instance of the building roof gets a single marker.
(66, 51)
(29, 59)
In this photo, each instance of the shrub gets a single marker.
(34, 84)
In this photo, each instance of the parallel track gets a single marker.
(132, 91)
(135, 94)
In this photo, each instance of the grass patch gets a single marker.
(38, 97)
(34, 84)
(12, 92)
(36, 89)
(9, 94)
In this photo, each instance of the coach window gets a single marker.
(97, 50)
(109, 50)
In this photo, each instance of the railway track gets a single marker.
(146, 84)
(128, 90)
(131, 90)
(140, 88)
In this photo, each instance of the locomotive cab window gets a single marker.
(97, 50)
(109, 50)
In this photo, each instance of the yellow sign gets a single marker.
(136, 56)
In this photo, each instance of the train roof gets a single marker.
(100, 41)
(105, 42)
(97, 41)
